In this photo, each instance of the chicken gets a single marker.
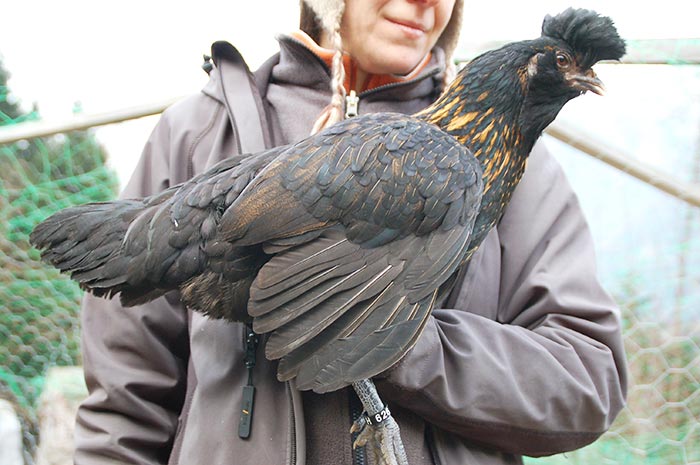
(339, 246)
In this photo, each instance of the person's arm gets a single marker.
(549, 374)
(135, 359)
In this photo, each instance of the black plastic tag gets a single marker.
(246, 412)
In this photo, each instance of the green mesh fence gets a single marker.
(648, 245)
(39, 308)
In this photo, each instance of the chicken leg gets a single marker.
(377, 428)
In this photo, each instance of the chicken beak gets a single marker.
(588, 81)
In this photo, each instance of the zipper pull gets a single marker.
(351, 103)
(248, 401)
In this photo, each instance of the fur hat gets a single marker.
(325, 15)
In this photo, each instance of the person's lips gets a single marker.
(412, 29)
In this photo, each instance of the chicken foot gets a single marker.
(377, 429)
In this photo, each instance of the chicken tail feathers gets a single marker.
(88, 243)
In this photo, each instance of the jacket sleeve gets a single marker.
(134, 358)
(547, 374)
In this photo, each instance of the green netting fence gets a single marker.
(648, 245)
(39, 308)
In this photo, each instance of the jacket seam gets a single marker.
(197, 140)
(261, 79)
(182, 425)
(187, 405)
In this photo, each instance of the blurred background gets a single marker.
(80, 62)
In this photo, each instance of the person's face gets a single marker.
(392, 36)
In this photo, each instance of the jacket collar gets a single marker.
(351, 67)
(294, 56)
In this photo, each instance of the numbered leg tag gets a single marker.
(378, 417)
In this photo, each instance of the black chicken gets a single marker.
(339, 246)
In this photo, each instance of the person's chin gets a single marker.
(404, 60)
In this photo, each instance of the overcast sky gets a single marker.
(109, 55)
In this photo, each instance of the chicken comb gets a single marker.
(593, 37)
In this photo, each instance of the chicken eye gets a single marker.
(563, 60)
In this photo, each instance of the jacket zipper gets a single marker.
(432, 446)
(292, 427)
(392, 85)
(359, 455)
(352, 100)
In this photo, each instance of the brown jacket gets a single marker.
(525, 358)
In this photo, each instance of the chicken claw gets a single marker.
(378, 431)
